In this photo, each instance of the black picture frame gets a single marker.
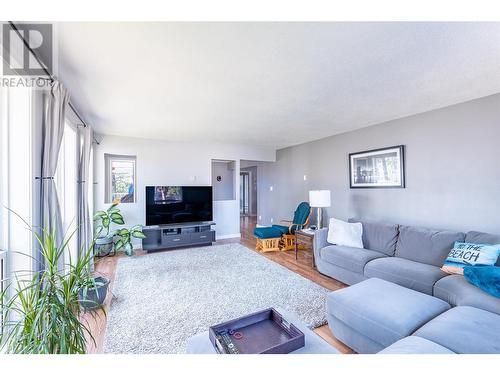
(400, 184)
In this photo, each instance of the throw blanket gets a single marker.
(486, 278)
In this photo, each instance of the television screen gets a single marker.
(178, 204)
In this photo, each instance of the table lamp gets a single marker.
(319, 199)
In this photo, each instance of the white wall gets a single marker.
(169, 163)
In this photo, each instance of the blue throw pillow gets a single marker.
(469, 254)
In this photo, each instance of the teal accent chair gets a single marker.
(300, 220)
(282, 237)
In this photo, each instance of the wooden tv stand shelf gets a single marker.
(161, 237)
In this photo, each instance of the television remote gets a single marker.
(228, 343)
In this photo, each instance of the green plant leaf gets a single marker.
(100, 215)
(138, 234)
(105, 222)
(129, 250)
(122, 232)
(117, 218)
(119, 244)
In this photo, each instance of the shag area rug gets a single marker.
(161, 300)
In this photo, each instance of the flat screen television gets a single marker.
(178, 204)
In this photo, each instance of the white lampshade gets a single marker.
(319, 198)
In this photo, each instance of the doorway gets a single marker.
(244, 193)
(248, 197)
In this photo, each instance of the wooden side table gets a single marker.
(305, 239)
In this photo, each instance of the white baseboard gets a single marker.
(226, 236)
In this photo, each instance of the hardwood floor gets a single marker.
(96, 322)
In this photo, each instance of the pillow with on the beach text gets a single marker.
(470, 254)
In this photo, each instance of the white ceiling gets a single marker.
(270, 84)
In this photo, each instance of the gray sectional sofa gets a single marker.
(408, 257)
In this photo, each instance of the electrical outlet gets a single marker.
(260, 217)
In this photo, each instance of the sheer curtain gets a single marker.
(55, 104)
(84, 180)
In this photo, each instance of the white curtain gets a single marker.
(55, 104)
(84, 223)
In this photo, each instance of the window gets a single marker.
(66, 185)
(120, 178)
(17, 177)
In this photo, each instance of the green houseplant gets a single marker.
(104, 242)
(118, 239)
(42, 315)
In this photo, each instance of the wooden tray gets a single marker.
(264, 332)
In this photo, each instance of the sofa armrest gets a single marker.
(320, 242)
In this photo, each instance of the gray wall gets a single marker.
(452, 171)
(223, 190)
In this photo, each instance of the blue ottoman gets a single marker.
(465, 330)
(373, 314)
(268, 238)
(415, 345)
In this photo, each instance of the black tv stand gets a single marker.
(161, 237)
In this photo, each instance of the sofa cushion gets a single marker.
(338, 273)
(417, 276)
(382, 311)
(457, 291)
(267, 232)
(282, 228)
(351, 258)
(426, 245)
(380, 237)
(464, 329)
(485, 238)
(415, 345)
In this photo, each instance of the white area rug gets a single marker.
(161, 300)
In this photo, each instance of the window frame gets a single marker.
(108, 178)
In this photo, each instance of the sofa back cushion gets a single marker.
(377, 236)
(426, 245)
(483, 238)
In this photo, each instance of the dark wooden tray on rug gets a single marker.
(263, 332)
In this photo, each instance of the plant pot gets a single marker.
(104, 246)
(95, 296)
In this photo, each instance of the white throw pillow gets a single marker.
(345, 234)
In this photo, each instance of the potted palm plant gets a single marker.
(94, 289)
(93, 292)
(42, 314)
